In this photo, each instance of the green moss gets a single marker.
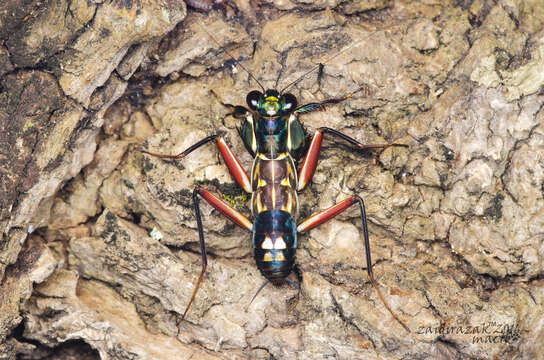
(236, 200)
(28, 125)
(230, 193)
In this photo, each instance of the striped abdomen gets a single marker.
(274, 184)
(274, 244)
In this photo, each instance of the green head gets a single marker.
(271, 103)
(272, 128)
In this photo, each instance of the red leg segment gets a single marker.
(310, 161)
(331, 212)
(236, 169)
(234, 165)
(325, 215)
(225, 209)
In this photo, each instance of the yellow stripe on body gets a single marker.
(273, 188)
(288, 206)
(253, 138)
(260, 206)
(276, 257)
(280, 156)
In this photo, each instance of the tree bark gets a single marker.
(99, 250)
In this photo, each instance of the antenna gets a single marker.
(321, 63)
(229, 54)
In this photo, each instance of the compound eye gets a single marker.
(253, 99)
(290, 102)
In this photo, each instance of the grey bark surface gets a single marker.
(99, 250)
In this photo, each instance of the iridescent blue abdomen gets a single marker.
(275, 244)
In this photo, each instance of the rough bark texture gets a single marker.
(99, 250)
